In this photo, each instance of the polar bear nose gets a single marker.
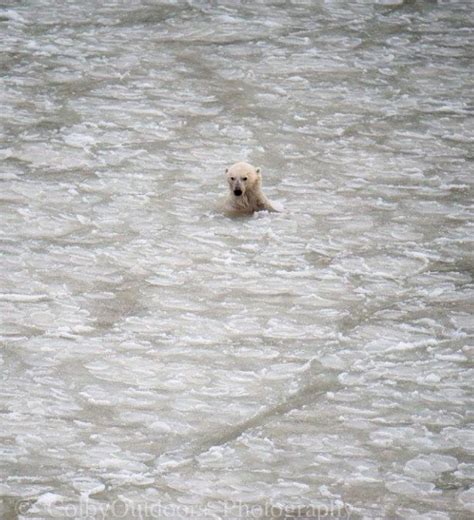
(237, 192)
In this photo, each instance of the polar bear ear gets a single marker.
(227, 170)
(258, 170)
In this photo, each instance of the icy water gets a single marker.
(160, 360)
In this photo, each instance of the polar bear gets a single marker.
(246, 196)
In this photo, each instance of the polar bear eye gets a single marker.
(244, 178)
(232, 178)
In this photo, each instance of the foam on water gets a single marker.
(162, 360)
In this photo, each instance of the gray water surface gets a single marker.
(160, 360)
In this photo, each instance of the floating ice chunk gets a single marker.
(218, 457)
(465, 471)
(160, 426)
(466, 498)
(413, 514)
(278, 206)
(289, 488)
(280, 371)
(391, 3)
(79, 140)
(413, 489)
(88, 486)
(428, 467)
(430, 379)
(23, 298)
(43, 319)
(13, 16)
(333, 361)
(12, 453)
(462, 438)
(114, 463)
(48, 499)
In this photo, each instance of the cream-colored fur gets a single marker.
(245, 185)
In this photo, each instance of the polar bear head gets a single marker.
(243, 178)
